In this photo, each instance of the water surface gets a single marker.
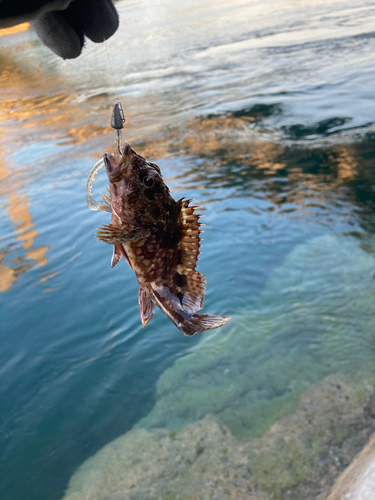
(262, 112)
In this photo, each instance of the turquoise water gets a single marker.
(264, 113)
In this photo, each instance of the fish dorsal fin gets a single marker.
(191, 285)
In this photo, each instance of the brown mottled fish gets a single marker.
(159, 238)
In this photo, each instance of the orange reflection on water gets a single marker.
(85, 133)
(49, 276)
(346, 164)
(41, 109)
(19, 213)
(7, 278)
(236, 157)
(14, 29)
(30, 113)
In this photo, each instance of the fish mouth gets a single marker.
(114, 169)
(109, 162)
(118, 170)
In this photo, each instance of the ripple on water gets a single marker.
(269, 124)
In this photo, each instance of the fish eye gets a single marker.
(149, 182)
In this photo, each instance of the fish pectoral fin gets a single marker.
(119, 235)
(147, 307)
(111, 234)
(116, 256)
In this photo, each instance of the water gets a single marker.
(262, 112)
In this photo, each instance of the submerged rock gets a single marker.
(300, 456)
(297, 458)
(314, 317)
(160, 464)
(272, 406)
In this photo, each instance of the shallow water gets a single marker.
(262, 112)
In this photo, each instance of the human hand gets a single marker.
(62, 24)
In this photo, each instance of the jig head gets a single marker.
(117, 123)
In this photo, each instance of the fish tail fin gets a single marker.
(201, 322)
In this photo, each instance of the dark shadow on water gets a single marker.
(257, 112)
(223, 158)
(323, 127)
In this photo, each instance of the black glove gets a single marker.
(62, 24)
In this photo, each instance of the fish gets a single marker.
(160, 240)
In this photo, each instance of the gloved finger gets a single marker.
(98, 18)
(63, 31)
(59, 34)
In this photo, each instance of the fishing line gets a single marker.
(117, 123)
(106, 48)
(118, 118)
(110, 66)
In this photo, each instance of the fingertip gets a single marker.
(98, 18)
(58, 35)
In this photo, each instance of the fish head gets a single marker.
(139, 195)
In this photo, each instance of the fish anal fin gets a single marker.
(116, 256)
(193, 297)
(123, 251)
(147, 307)
(191, 284)
(201, 322)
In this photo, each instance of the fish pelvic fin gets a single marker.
(201, 322)
(147, 307)
(191, 283)
(106, 205)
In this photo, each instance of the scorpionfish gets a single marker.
(159, 238)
